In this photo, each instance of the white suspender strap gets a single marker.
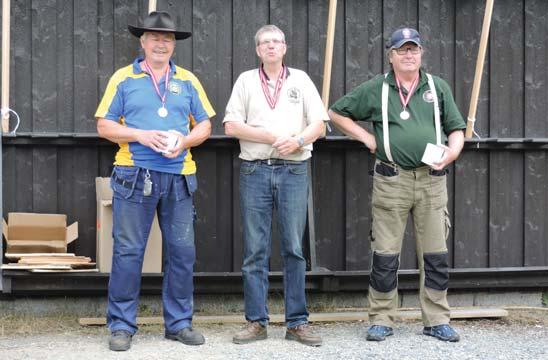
(436, 109)
(384, 105)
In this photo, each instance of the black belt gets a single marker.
(388, 169)
(277, 162)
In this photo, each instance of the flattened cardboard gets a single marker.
(153, 253)
(32, 233)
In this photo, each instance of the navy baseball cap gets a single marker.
(402, 36)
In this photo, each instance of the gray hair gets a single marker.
(268, 28)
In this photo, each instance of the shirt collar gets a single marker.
(267, 78)
(137, 67)
(391, 79)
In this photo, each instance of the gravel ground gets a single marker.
(480, 339)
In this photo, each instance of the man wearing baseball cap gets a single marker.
(156, 112)
(414, 116)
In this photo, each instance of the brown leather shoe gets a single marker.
(253, 331)
(303, 334)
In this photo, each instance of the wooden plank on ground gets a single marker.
(20, 255)
(55, 260)
(29, 267)
(63, 271)
(411, 314)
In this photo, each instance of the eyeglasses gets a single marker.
(268, 42)
(403, 50)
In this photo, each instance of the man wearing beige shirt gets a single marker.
(276, 113)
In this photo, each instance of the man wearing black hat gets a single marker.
(413, 114)
(156, 111)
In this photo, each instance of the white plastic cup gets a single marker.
(172, 139)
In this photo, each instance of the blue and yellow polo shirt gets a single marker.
(131, 100)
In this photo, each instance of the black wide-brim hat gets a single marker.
(158, 21)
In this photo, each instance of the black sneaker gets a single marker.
(379, 332)
(443, 332)
(120, 340)
(187, 336)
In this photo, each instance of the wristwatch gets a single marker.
(300, 140)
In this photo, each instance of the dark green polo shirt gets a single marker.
(408, 138)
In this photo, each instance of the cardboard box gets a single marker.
(38, 233)
(153, 254)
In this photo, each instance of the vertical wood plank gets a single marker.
(105, 45)
(471, 221)
(9, 180)
(535, 250)
(364, 42)
(44, 180)
(83, 192)
(86, 66)
(329, 196)
(358, 189)
(506, 209)
(506, 81)
(64, 82)
(535, 65)
(212, 55)
(205, 203)
(44, 53)
(213, 204)
(21, 63)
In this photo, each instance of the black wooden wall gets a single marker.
(63, 53)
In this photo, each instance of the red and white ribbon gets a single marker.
(272, 99)
(155, 82)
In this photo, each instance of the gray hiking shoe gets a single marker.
(187, 336)
(253, 331)
(443, 332)
(379, 332)
(120, 340)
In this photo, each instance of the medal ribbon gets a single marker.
(272, 100)
(405, 99)
(155, 82)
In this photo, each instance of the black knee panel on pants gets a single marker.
(384, 276)
(436, 271)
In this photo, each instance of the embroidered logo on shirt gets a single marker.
(174, 88)
(428, 96)
(294, 95)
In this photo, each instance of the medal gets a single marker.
(162, 112)
(404, 115)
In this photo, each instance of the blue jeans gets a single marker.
(283, 186)
(133, 213)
